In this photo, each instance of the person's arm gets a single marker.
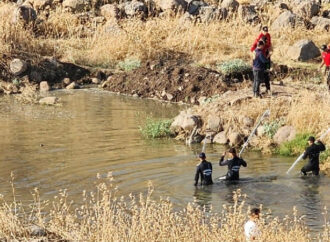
(243, 163)
(269, 41)
(320, 145)
(223, 162)
(197, 176)
(306, 153)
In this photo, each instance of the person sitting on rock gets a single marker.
(326, 63)
(312, 152)
(259, 66)
(234, 164)
(264, 35)
(204, 170)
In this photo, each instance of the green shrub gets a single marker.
(270, 128)
(153, 129)
(129, 64)
(324, 155)
(295, 146)
(233, 66)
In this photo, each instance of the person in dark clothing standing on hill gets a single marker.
(259, 66)
(204, 170)
(313, 152)
(234, 164)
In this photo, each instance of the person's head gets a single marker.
(261, 44)
(232, 152)
(311, 140)
(265, 29)
(324, 47)
(202, 156)
(254, 213)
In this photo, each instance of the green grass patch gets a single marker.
(129, 64)
(233, 66)
(324, 155)
(295, 146)
(153, 129)
(270, 128)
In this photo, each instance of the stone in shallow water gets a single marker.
(48, 100)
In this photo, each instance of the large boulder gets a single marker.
(194, 7)
(321, 23)
(248, 13)
(175, 5)
(307, 9)
(214, 124)
(109, 11)
(18, 66)
(76, 5)
(283, 134)
(210, 13)
(235, 139)
(135, 8)
(231, 5)
(221, 138)
(185, 121)
(286, 19)
(303, 50)
(26, 14)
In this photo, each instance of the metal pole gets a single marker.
(266, 113)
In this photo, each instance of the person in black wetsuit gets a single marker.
(234, 163)
(312, 152)
(204, 169)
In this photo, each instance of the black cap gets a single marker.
(311, 138)
(232, 150)
(202, 155)
(324, 47)
(261, 43)
(265, 28)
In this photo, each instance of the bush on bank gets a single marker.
(153, 128)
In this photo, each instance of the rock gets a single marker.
(76, 5)
(48, 100)
(194, 6)
(221, 138)
(135, 95)
(135, 8)
(66, 81)
(18, 66)
(176, 5)
(231, 5)
(260, 131)
(235, 139)
(169, 96)
(247, 122)
(96, 80)
(214, 124)
(286, 19)
(185, 121)
(248, 13)
(44, 87)
(321, 23)
(303, 50)
(73, 85)
(36, 230)
(307, 9)
(24, 13)
(283, 134)
(109, 11)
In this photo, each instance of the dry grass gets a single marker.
(63, 35)
(102, 216)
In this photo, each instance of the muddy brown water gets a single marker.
(97, 132)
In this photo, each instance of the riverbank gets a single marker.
(103, 216)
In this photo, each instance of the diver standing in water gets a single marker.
(234, 163)
(312, 152)
(204, 169)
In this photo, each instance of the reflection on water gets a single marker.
(97, 132)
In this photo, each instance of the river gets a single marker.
(96, 132)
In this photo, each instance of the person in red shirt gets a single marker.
(265, 37)
(326, 62)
